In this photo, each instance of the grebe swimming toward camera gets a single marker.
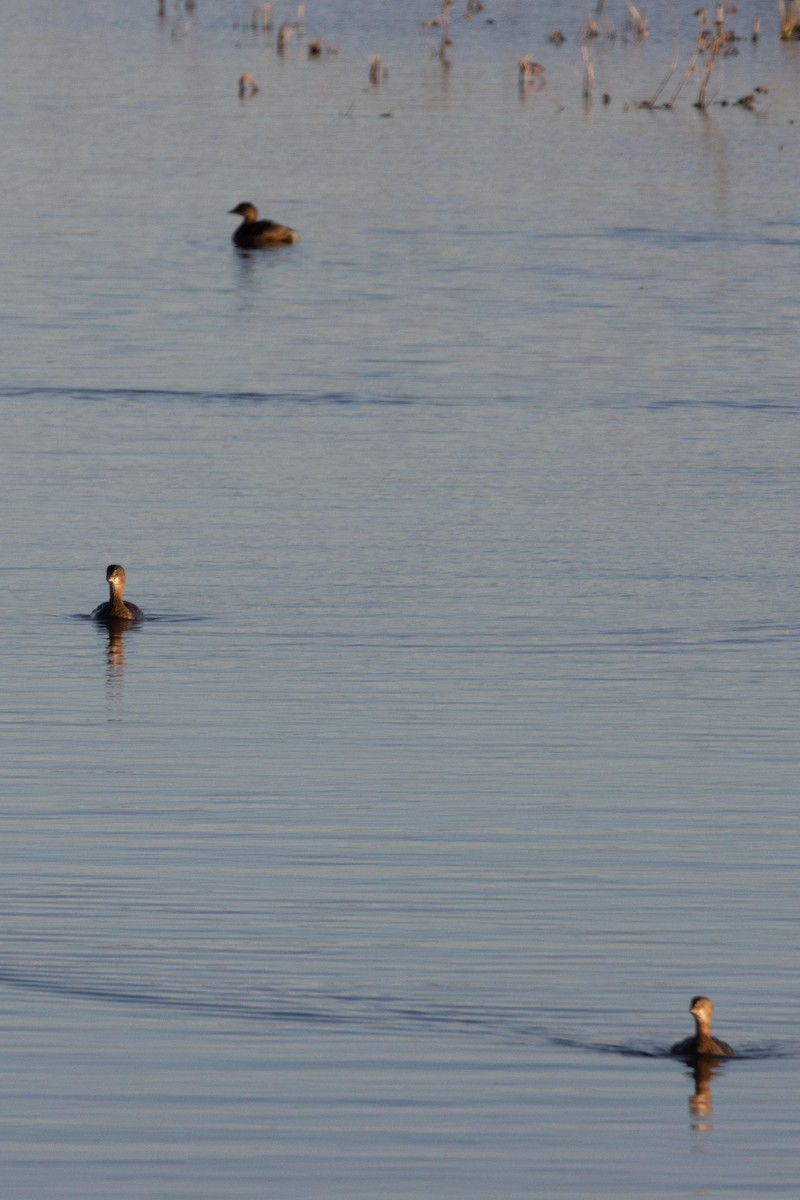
(253, 234)
(115, 608)
(702, 1045)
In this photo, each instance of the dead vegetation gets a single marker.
(789, 11)
(714, 41)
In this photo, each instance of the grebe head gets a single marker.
(246, 210)
(115, 574)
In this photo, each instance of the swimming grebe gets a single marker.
(702, 1045)
(115, 608)
(253, 234)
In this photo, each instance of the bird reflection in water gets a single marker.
(115, 660)
(118, 616)
(704, 1054)
(703, 1070)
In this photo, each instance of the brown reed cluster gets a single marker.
(789, 11)
(443, 21)
(714, 40)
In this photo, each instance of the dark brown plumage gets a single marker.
(115, 608)
(253, 234)
(702, 1045)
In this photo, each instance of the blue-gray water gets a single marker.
(460, 748)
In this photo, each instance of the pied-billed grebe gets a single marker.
(253, 234)
(702, 1045)
(115, 608)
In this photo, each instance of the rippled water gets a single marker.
(458, 750)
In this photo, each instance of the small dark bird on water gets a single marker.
(115, 608)
(253, 234)
(702, 1045)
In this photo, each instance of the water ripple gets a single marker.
(354, 1011)
(239, 399)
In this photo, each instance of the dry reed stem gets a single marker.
(247, 87)
(262, 17)
(588, 73)
(789, 19)
(638, 22)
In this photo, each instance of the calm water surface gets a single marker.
(459, 748)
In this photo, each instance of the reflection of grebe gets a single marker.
(702, 1045)
(253, 234)
(115, 608)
